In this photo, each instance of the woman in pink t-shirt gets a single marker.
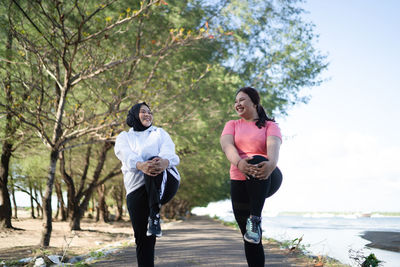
(252, 146)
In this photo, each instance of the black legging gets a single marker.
(248, 197)
(139, 212)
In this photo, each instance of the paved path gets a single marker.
(201, 241)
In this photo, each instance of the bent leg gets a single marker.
(153, 185)
(170, 187)
(257, 189)
(276, 181)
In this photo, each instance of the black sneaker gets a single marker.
(253, 230)
(154, 227)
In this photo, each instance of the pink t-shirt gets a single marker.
(249, 140)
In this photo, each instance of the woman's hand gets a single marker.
(146, 167)
(159, 165)
(245, 167)
(261, 170)
(153, 167)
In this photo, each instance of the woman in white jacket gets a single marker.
(151, 179)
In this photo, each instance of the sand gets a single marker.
(24, 242)
(383, 240)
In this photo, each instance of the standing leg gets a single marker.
(241, 209)
(139, 212)
(258, 190)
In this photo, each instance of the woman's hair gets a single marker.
(255, 98)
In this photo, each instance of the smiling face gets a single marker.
(145, 116)
(244, 107)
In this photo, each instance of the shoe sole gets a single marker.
(150, 234)
(251, 240)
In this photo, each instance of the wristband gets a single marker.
(237, 164)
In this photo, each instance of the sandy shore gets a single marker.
(383, 240)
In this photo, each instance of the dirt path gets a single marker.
(201, 241)
(198, 241)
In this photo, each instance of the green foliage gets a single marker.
(186, 59)
(29, 169)
(11, 263)
(232, 224)
(295, 245)
(271, 47)
(96, 254)
(81, 264)
(371, 261)
(358, 257)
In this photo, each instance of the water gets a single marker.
(323, 233)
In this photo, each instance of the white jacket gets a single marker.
(131, 147)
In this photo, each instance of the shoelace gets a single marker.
(154, 221)
(254, 226)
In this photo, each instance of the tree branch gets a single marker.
(142, 8)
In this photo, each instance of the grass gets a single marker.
(295, 247)
(11, 263)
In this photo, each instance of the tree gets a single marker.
(7, 140)
(64, 42)
(80, 190)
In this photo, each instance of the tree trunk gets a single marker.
(103, 208)
(39, 209)
(176, 208)
(73, 201)
(31, 198)
(13, 198)
(9, 130)
(93, 208)
(119, 214)
(77, 214)
(5, 203)
(47, 212)
(97, 212)
(60, 201)
(118, 195)
(57, 211)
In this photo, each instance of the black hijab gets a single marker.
(133, 118)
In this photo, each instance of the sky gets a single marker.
(341, 151)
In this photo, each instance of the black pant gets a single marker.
(248, 198)
(138, 203)
(155, 186)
